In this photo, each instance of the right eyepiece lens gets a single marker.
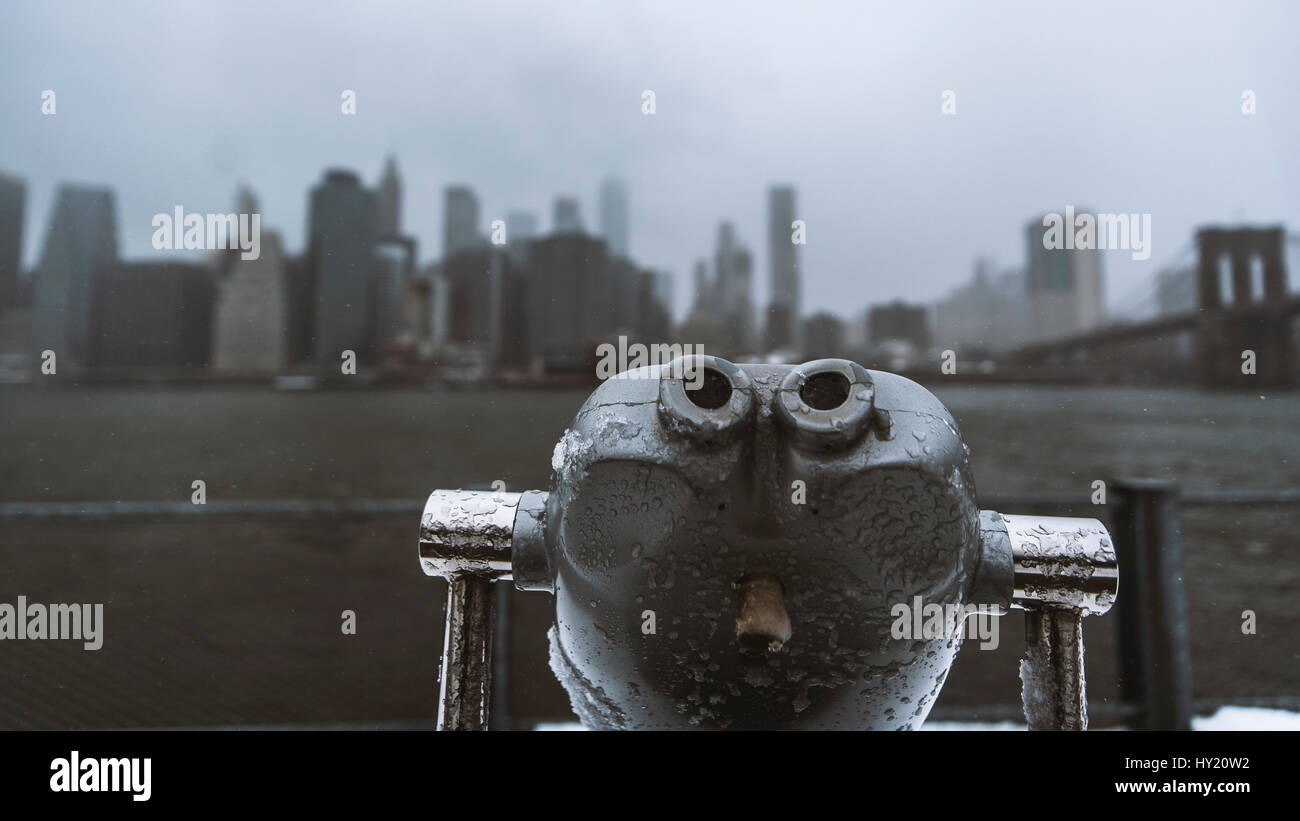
(825, 391)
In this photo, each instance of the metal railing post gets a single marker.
(1154, 660)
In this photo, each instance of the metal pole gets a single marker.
(465, 697)
(1054, 691)
(501, 651)
(1060, 570)
(1155, 665)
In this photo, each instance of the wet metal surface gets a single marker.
(1054, 691)
(728, 552)
(465, 695)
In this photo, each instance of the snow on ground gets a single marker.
(1226, 718)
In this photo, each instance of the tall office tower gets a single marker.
(733, 279)
(572, 311)
(521, 229)
(391, 279)
(1063, 285)
(13, 193)
(654, 321)
(246, 201)
(478, 282)
(251, 321)
(566, 218)
(784, 303)
(389, 221)
(152, 315)
(703, 309)
(341, 240)
(613, 219)
(81, 240)
(223, 260)
(741, 314)
(459, 220)
(624, 291)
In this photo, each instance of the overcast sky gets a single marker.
(1117, 107)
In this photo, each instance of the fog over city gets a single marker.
(1112, 106)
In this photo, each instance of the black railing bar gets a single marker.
(363, 508)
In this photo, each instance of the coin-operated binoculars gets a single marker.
(728, 547)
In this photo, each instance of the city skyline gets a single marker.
(898, 197)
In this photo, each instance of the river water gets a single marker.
(235, 623)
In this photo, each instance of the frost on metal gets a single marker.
(1051, 673)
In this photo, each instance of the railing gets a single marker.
(1144, 516)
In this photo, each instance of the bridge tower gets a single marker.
(1259, 322)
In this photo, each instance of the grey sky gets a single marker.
(1125, 107)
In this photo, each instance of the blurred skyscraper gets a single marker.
(152, 315)
(341, 239)
(13, 193)
(705, 305)
(613, 216)
(784, 305)
(476, 288)
(733, 278)
(460, 220)
(251, 323)
(1064, 287)
(521, 228)
(389, 222)
(80, 241)
(566, 217)
(571, 306)
(392, 278)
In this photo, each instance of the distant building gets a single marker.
(641, 301)
(613, 217)
(13, 193)
(824, 336)
(733, 283)
(521, 229)
(251, 318)
(391, 278)
(566, 218)
(475, 288)
(439, 297)
(624, 290)
(654, 318)
(389, 219)
(782, 323)
(341, 241)
(1064, 287)
(985, 315)
(80, 242)
(300, 309)
(705, 305)
(571, 308)
(152, 315)
(460, 221)
(899, 322)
